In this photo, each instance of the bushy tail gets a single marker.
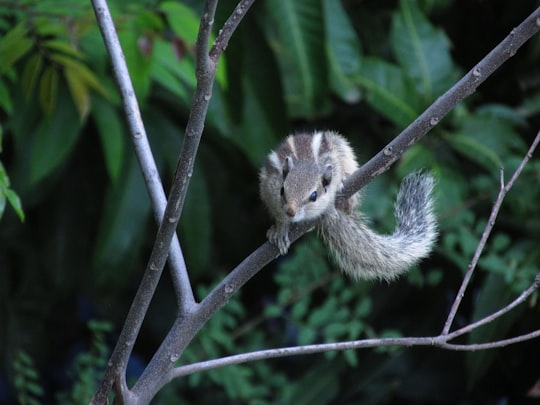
(361, 253)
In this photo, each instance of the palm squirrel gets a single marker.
(300, 181)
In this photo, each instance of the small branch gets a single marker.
(222, 41)
(490, 318)
(184, 328)
(485, 234)
(435, 341)
(492, 345)
(141, 146)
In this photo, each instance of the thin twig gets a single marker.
(490, 318)
(438, 341)
(434, 341)
(485, 234)
(492, 345)
(141, 147)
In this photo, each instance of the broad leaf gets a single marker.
(5, 99)
(48, 89)
(15, 203)
(31, 73)
(182, 19)
(422, 51)
(388, 91)
(80, 71)
(295, 31)
(79, 91)
(111, 133)
(175, 74)
(54, 138)
(494, 294)
(476, 151)
(343, 51)
(14, 45)
(126, 212)
(196, 223)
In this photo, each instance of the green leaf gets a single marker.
(295, 31)
(48, 89)
(55, 46)
(493, 295)
(125, 217)
(5, 99)
(176, 75)
(14, 45)
(475, 150)
(343, 51)
(422, 50)
(388, 91)
(2, 203)
(139, 65)
(111, 133)
(54, 137)
(15, 203)
(79, 91)
(182, 19)
(196, 222)
(80, 72)
(30, 75)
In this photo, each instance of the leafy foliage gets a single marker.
(26, 380)
(365, 69)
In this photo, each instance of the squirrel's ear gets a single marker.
(327, 175)
(288, 165)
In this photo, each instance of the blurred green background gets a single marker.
(76, 227)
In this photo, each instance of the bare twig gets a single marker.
(433, 341)
(440, 341)
(142, 147)
(487, 231)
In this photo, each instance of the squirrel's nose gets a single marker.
(291, 212)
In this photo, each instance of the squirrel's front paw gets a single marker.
(278, 235)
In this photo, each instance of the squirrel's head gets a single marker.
(307, 189)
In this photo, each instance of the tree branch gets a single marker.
(440, 341)
(118, 362)
(206, 66)
(141, 146)
(487, 231)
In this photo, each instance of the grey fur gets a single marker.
(300, 181)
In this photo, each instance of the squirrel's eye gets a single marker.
(313, 196)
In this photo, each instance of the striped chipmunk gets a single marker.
(300, 181)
